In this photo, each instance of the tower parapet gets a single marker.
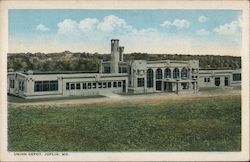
(116, 55)
(121, 49)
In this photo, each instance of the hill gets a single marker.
(68, 61)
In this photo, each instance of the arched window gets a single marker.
(158, 74)
(176, 73)
(167, 73)
(150, 78)
(184, 73)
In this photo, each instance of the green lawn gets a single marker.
(218, 90)
(135, 94)
(199, 124)
(15, 99)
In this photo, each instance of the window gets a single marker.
(94, 85)
(150, 78)
(114, 84)
(38, 86)
(167, 73)
(107, 69)
(206, 80)
(53, 85)
(104, 85)
(12, 83)
(67, 86)
(217, 81)
(119, 84)
(236, 77)
(46, 86)
(184, 73)
(89, 86)
(109, 84)
(158, 74)
(21, 85)
(176, 73)
(72, 86)
(123, 69)
(140, 82)
(100, 85)
(78, 86)
(84, 86)
(184, 85)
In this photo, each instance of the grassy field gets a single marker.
(15, 99)
(197, 124)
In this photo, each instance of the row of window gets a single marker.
(93, 85)
(107, 69)
(168, 74)
(236, 77)
(41, 86)
(123, 69)
(20, 84)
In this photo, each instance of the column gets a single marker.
(190, 86)
(180, 73)
(189, 74)
(126, 82)
(177, 88)
(172, 72)
(100, 67)
(154, 80)
(162, 82)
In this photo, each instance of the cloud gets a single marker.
(88, 24)
(166, 24)
(108, 24)
(42, 28)
(227, 29)
(202, 19)
(67, 26)
(202, 32)
(178, 23)
(113, 22)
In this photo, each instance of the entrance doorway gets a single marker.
(124, 86)
(168, 87)
(158, 85)
(217, 81)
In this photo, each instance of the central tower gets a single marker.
(116, 55)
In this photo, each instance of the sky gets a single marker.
(168, 31)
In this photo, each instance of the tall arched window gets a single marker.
(184, 73)
(176, 73)
(150, 78)
(158, 74)
(167, 73)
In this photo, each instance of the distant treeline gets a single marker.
(67, 61)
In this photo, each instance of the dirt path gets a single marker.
(121, 99)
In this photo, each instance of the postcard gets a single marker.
(124, 80)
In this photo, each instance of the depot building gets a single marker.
(118, 76)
